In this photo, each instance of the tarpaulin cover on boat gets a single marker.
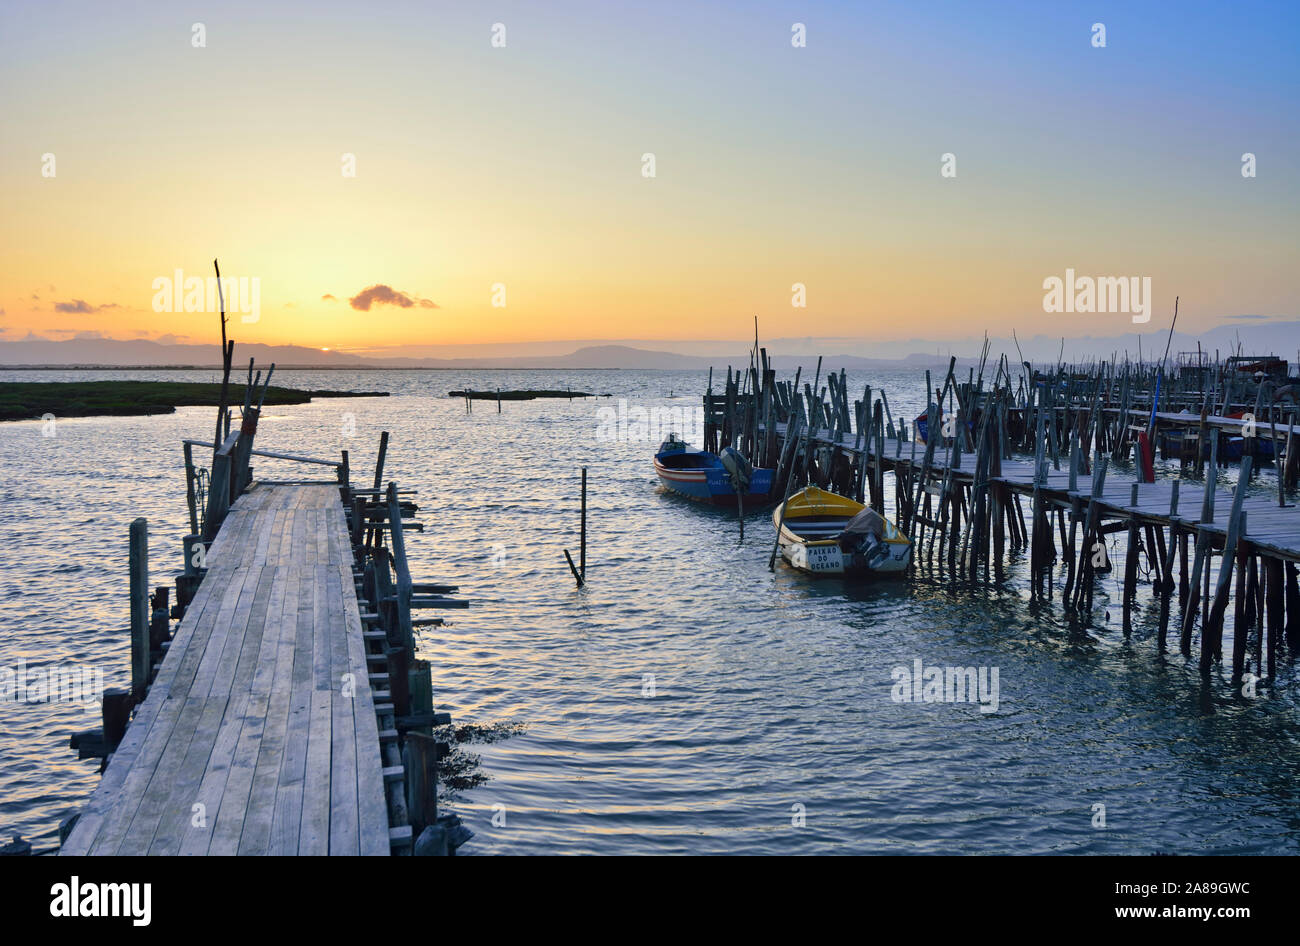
(866, 523)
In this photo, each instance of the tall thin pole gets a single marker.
(227, 353)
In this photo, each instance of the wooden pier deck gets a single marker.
(258, 734)
(1271, 527)
(1041, 465)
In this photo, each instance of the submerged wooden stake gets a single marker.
(580, 573)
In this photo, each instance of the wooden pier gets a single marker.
(1044, 468)
(258, 735)
(287, 712)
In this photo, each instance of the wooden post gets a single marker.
(1131, 562)
(790, 478)
(193, 558)
(1274, 595)
(1212, 634)
(1038, 528)
(187, 583)
(420, 686)
(399, 683)
(1202, 551)
(218, 496)
(191, 498)
(1244, 615)
(879, 424)
(242, 471)
(116, 713)
(1291, 467)
(582, 551)
(1166, 571)
(1091, 534)
(1292, 605)
(379, 479)
(139, 567)
(397, 541)
(573, 568)
(420, 755)
(158, 621)
(358, 520)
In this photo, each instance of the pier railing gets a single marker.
(412, 735)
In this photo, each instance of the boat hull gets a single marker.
(713, 484)
(809, 538)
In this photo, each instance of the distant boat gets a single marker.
(1231, 449)
(923, 427)
(826, 534)
(706, 477)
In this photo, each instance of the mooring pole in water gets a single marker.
(580, 573)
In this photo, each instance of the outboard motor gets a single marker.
(740, 469)
(863, 538)
(673, 444)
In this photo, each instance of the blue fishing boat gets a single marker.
(710, 477)
(923, 427)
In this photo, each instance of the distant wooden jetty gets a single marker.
(499, 395)
(286, 713)
(1037, 465)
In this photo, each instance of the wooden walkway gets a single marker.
(1270, 527)
(258, 735)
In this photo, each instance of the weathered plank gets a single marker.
(261, 712)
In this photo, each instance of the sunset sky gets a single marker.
(522, 165)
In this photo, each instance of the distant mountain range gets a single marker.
(1256, 337)
(146, 354)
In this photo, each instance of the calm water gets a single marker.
(771, 693)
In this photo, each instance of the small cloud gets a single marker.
(76, 305)
(2, 311)
(82, 307)
(1248, 316)
(89, 336)
(291, 305)
(36, 297)
(379, 294)
(328, 298)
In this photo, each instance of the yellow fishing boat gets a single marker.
(825, 534)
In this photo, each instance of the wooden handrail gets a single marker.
(234, 434)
